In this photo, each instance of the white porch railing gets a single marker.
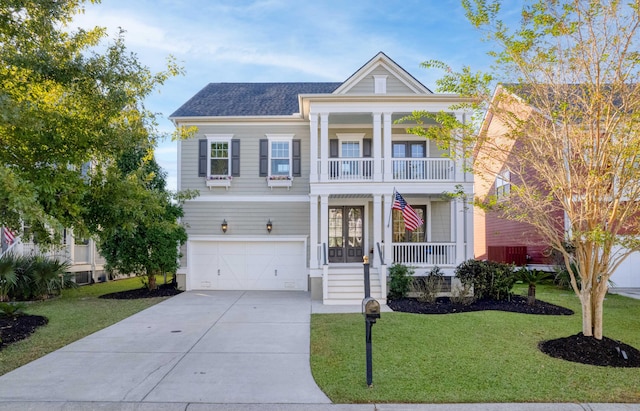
(345, 169)
(402, 169)
(424, 254)
(439, 169)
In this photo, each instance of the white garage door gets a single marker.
(247, 265)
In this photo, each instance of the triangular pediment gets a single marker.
(380, 76)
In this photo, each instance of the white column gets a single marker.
(458, 207)
(377, 228)
(324, 224)
(458, 155)
(388, 230)
(377, 147)
(324, 147)
(468, 211)
(314, 262)
(388, 153)
(313, 150)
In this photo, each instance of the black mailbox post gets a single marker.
(371, 312)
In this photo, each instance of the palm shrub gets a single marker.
(532, 278)
(400, 277)
(489, 279)
(49, 277)
(7, 276)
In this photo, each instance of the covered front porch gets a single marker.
(345, 228)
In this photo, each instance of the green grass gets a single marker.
(486, 356)
(75, 314)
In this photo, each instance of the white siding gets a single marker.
(440, 221)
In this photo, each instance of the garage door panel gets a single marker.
(255, 265)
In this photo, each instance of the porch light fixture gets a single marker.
(269, 226)
(224, 226)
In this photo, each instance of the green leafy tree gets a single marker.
(142, 234)
(63, 103)
(567, 114)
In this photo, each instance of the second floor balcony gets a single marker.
(398, 169)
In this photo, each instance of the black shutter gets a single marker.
(202, 157)
(334, 148)
(235, 157)
(366, 147)
(264, 157)
(296, 166)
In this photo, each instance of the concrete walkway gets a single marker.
(224, 350)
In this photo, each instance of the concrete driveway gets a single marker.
(197, 347)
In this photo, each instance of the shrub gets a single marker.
(33, 277)
(532, 278)
(11, 309)
(490, 280)
(461, 294)
(400, 277)
(427, 288)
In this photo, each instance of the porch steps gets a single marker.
(346, 287)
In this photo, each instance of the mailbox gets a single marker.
(371, 308)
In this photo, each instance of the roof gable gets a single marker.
(398, 80)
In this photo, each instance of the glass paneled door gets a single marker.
(346, 234)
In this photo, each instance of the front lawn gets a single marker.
(487, 356)
(73, 315)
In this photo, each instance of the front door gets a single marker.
(346, 234)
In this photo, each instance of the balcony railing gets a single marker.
(402, 169)
(422, 169)
(424, 254)
(351, 169)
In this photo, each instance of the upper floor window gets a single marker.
(503, 184)
(280, 158)
(218, 159)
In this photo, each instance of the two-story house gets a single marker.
(296, 185)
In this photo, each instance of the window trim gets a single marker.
(503, 184)
(279, 180)
(219, 180)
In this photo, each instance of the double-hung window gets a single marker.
(219, 159)
(280, 159)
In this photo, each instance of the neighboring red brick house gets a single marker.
(497, 238)
(503, 240)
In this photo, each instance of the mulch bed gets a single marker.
(443, 305)
(576, 348)
(164, 290)
(22, 326)
(18, 328)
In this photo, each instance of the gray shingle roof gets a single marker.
(250, 99)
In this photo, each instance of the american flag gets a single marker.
(8, 235)
(411, 219)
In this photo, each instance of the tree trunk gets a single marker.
(587, 313)
(598, 304)
(531, 297)
(152, 282)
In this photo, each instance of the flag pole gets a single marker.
(393, 198)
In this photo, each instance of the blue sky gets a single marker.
(282, 40)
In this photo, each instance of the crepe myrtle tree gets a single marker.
(136, 219)
(67, 97)
(567, 111)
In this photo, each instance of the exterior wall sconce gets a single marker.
(224, 226)
(269, 226)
